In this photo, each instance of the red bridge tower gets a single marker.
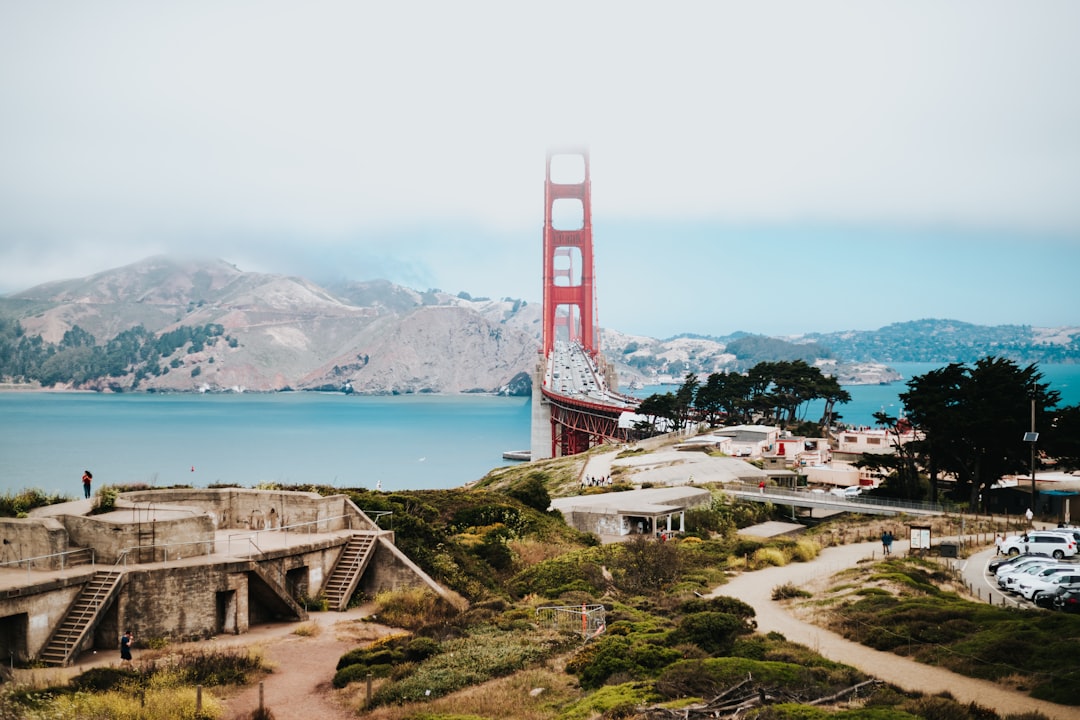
(569, 290)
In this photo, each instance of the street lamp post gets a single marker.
(1032, 437)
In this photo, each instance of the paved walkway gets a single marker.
(756, 588)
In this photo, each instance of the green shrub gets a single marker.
(719, 603)
(805, 550)
(420, 649)
(532, 492)
(768, 556)
(20, 503)
(356, 673)
(484, 654)
(789, 590)
(619, 656)
(100, 679)
(713, 632)
(574, 571)
(105, 500)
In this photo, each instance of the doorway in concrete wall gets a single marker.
(13, 639)
(226, 612)
(296, 583)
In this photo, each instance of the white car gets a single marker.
(1009, 580)
(847, 492)
(1046, 579)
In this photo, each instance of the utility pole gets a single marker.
(1032, 437)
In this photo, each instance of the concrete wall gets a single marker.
(243, 509)
(391, 569)
(842, 476)
(174, 539)
(179, 603)
(23, 538)
(599, 523)
(30, 617)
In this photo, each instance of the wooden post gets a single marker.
(367, 703)
(261, 709)
(198, 699)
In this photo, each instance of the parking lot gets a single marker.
(1039, 569)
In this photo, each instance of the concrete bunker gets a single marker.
(185, 564)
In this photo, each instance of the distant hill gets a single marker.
(193, 325)
(954, 341)
(276, 332)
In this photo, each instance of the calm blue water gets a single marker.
(411, 442)
(404, 442)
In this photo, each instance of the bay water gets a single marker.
(413, 442)
(393, 442)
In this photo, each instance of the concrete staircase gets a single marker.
(350, 565)
(81, 618)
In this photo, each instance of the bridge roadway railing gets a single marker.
(778, 494)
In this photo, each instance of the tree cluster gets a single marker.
(78, 358)
(970, 425)
(775, 393)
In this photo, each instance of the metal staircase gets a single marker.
(350, 565)
(81, 618)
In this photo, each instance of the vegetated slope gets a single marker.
(665, 647)
(285, 332)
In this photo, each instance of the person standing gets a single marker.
(886, 542)
(999, 542)
(125, 648)
(761, 487)
(87, 477)
(1030, 516)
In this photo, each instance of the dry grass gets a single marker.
(307, 629)
(537, 694)
(532, 552)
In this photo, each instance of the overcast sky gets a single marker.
(774, 167)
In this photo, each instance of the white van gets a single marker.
(1056, 545)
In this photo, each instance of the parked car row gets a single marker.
(1040, 577)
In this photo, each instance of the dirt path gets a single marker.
(756, 587)
(300, 687)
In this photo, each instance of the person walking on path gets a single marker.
(999, 542)
(87, 476)
(125, 648)
(886, 542)
(1029, 515)
(761, 487)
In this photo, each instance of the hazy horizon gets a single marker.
(807, 165)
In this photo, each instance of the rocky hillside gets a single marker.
(186, 325)
(286, 332)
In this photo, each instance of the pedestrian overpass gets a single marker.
(865, 504)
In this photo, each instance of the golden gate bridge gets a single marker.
(576, 403)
